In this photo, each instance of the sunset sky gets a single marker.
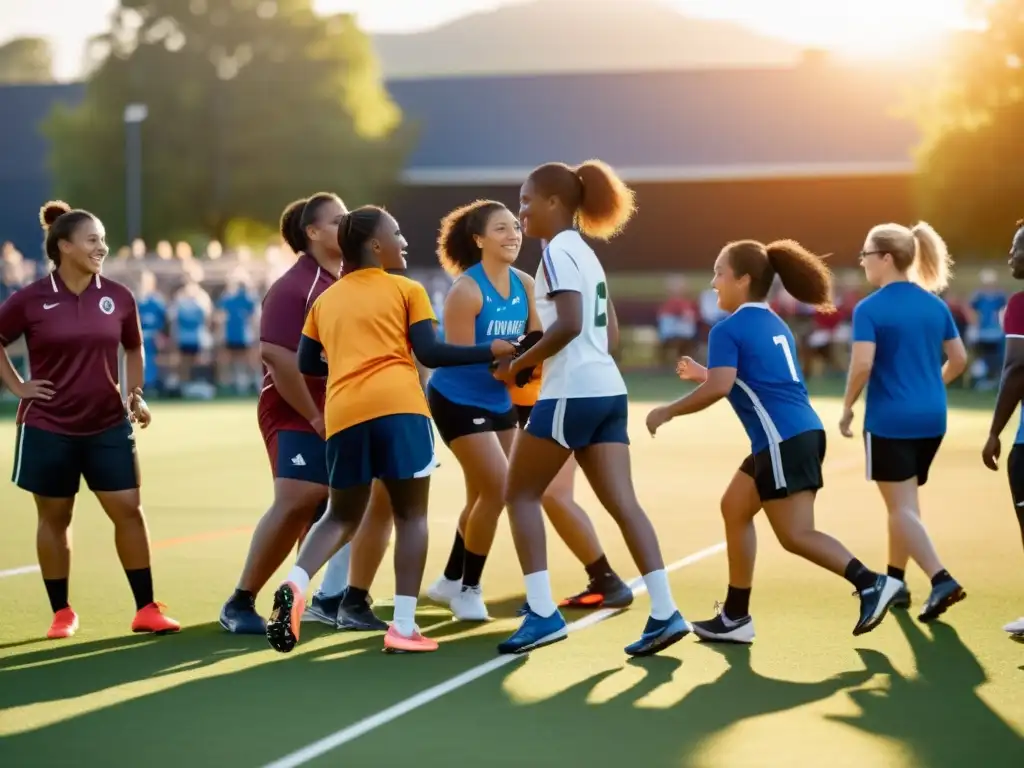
(861, 28)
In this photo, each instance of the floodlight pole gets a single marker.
(134, 116)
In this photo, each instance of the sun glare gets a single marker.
(861, 28)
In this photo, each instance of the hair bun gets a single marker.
(52, 211)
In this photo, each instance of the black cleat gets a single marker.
(902, 599)
(359, 617)
(943, 595)
(282, 627)
(323, 608)
(875, 602)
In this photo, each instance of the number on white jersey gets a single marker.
(601, 306)
(783, 342)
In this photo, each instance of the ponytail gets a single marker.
(932, 265)
(804, 275)
(601, 202)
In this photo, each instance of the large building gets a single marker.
(814, 152)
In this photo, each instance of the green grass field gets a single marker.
(806, 694)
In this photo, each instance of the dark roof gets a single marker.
(808, 120)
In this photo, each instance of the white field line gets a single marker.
(385, 716)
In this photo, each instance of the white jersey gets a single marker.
(583, 368)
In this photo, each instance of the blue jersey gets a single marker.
(191, 320)
(987, 304)
(238, 309)
(152, 318)
(499, 318)
(769, 395)
(906, 396)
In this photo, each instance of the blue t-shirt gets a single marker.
(152, 318)
(769, 395)
(238, 309)
(191, 320)
(987, 304)
(908, 325)
(500, 318)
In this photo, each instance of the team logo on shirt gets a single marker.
(107, 305)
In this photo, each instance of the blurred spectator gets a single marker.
(237, 323)
(987, 334)
(191, 313)
(153, 319)
(677, 322)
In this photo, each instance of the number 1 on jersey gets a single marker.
(783, 342)
(601, 306)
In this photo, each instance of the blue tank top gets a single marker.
(191, 319)
(500, 318)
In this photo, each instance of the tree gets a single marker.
(26, 60)
(971, 159)
(251, 103)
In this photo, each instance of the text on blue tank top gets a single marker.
(769, 395)
(500, 318)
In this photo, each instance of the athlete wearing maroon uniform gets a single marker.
(72, 421)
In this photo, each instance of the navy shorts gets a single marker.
(395, 447)
(297, 455)
(576, 422)
(52, 464)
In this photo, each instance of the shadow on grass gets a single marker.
(189, 699)
(620, 731)
(938, 714)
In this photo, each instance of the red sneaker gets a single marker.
(151, 619)
(65, 624)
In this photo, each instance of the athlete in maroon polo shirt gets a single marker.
(290, 414)
(72, 421)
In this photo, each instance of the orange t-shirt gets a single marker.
(527, 396)
(362, 322)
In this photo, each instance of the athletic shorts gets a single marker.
(1015, 471)
(51, 464)
(578, 422)
(238, 346)
(189, 349)
(893, 459)
(523, 415)
(455, 420)
(297, 455)
(789, 467)
(395, 447)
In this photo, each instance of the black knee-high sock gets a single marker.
(57, 591)
(453, 571)
(141, 582)
(473, 570)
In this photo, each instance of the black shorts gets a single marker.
(237, 346)
(894, 459)
(523, 414)
(792, 466)
(189, 349)
(1015, 471)
(454, 420)
(51, 464)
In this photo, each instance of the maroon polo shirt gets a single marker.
(284, 313)
(73, 342)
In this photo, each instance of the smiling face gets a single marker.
(86, 249)
(732, 291)
(502, 237)
(537, 212)
(388, 244)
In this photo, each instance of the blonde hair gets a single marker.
(918, 251)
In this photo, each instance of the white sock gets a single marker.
(299, 578)
(336, 578)
(662, 604)
(404, 620)
(538, 594)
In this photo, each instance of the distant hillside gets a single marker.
(578, 35)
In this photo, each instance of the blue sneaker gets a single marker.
(535, 632)
(239, 617)
(659, 634)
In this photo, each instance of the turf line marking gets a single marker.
(385, 716)
(163, 544)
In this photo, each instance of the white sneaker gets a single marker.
(469, 605)
(444, 590)
(1015, 627)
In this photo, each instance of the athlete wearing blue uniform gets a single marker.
(900, 334)
(1011, 395)
(238, 305)
(752, 362)
(153, 320)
